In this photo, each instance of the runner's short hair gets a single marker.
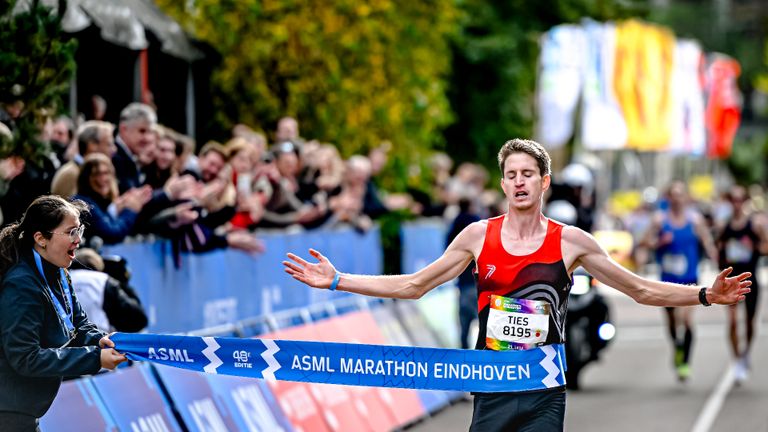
(529, 147)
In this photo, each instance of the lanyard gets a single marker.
(65, 318)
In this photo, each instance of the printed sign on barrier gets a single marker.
(135, 400)
(395, 334)
(194, 400)
(362, 328)
(335, 401)
(250, 402)
(375, 406)
(77, 408)
(250, 287)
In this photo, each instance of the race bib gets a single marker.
(516, 324)
(674, 264)
(737, 251)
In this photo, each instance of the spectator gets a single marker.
(243, 160)
(213, 205)
(256, 139)
(33, 181)
(62, 136)
(349, 205)
(135, 134)
(112, 217)
(99, 107)
(185, 152)
(285, 207)
(92, 137)
(466, 280)
(440, 165)
(217, 193)
(10, 110)
(358, 182)
(211, 161)
(39, 347)
(288, 130)
(162, 166)
(110, 305)
(379, 156)
(10, 168)
(324, 171)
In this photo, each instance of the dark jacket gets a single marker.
(101, 223)
(126, 168)
(32, 364)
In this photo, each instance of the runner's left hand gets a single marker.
(729, 290)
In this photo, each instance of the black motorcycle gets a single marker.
(588, 328)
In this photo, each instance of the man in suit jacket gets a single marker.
(135, 134)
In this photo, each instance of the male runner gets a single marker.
(527, 259)
(676, 234)
(740, 243)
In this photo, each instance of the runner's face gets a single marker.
(522, 182)
(678, 196)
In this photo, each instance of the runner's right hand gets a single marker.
(317, 275)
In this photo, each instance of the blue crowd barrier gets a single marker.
(133, 397)
(78, 408)
(422, 242)
(219, 403)
(228, 285)
(244, 295)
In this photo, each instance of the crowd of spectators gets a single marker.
(142, 179)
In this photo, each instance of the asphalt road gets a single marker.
(633, 387)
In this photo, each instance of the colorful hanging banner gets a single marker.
(354, 364)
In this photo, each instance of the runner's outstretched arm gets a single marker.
(586, 252)
(406, 286)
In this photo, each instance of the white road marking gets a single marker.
(712, 408)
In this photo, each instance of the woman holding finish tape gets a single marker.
(44, 334)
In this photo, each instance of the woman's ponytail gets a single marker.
(10, 238)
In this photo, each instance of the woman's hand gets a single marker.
(106, 342)
(111, 358)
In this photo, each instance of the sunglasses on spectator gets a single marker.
(74, 234)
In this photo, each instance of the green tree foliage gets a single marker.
(354, 73)
(494, 68)
(37, 63)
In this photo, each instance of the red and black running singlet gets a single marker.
(540, 275)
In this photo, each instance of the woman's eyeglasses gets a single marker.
(74, 235)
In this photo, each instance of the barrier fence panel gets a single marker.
(250, 402)
(77, 408)
(394, 332)
(423, 242)
(361, 327)
(134, 399)
(376, 406)
(333, 402)
(220, 403)
(194, 400)
(227, 285)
